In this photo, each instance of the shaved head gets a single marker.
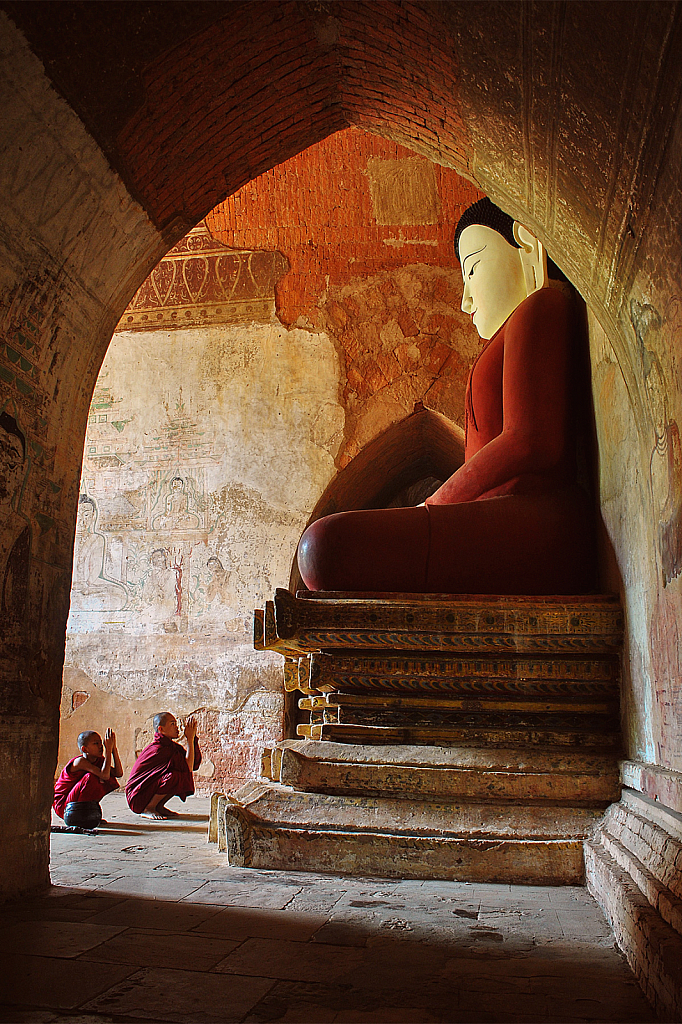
(161, 718)
(85, 737)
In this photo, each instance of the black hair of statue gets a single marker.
(10, 425)
(490, 216)
(484, 212)
(160, 719)
(85, 737)
(85, 499)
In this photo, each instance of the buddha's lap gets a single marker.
(535, 543)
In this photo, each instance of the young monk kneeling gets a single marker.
(164, 769)
(87, 778)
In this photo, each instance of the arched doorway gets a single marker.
(90, 208)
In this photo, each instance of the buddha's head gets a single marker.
(502, 263)
(158, 559)
(87, 514)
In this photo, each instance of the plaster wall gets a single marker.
(206, 450)
(638, 405)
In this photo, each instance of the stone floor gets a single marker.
(146, 922)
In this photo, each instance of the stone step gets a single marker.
(561, 760)
(395, 853)
(650, 853)
(574, 781)
(414, 712)
(273, 803)
(373, 717)
(445, 736)
(652, 946)
(539, 678)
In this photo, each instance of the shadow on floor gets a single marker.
(163, 929)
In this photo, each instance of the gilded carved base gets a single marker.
(446, 670)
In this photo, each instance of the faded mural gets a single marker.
(203, 458)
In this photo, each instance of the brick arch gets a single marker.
(258, 90)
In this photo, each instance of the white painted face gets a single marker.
(494, 282)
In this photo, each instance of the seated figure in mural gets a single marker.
(177, 514)
(512, 519)
(90, 588)
(86, 779)
(164, 769)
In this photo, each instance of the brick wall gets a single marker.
(367, 229)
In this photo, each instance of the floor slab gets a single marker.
(147, 922)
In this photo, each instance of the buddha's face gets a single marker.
(494, 283)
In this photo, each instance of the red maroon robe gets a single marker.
(80, 786)
(161, 768)
(512, 519)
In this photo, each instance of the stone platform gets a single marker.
(469, 738)
(634, 868)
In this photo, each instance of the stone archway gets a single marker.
(566, 114)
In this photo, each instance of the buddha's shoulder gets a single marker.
(545, 303)
(544, 309)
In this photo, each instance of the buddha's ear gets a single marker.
(533, 258)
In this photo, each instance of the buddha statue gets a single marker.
(513, 518)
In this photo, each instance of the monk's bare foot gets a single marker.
(154, 815)
(168, 814)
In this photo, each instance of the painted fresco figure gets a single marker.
(90, 588)
(218, 588)
(15, 532)
(177, 515)
(512, 519)
(158, 589)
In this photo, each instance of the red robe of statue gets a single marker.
(512, 519)
(80, 786)
(161, 768)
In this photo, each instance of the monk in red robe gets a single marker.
(512, 519)
(86, 779)
(164, 769)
